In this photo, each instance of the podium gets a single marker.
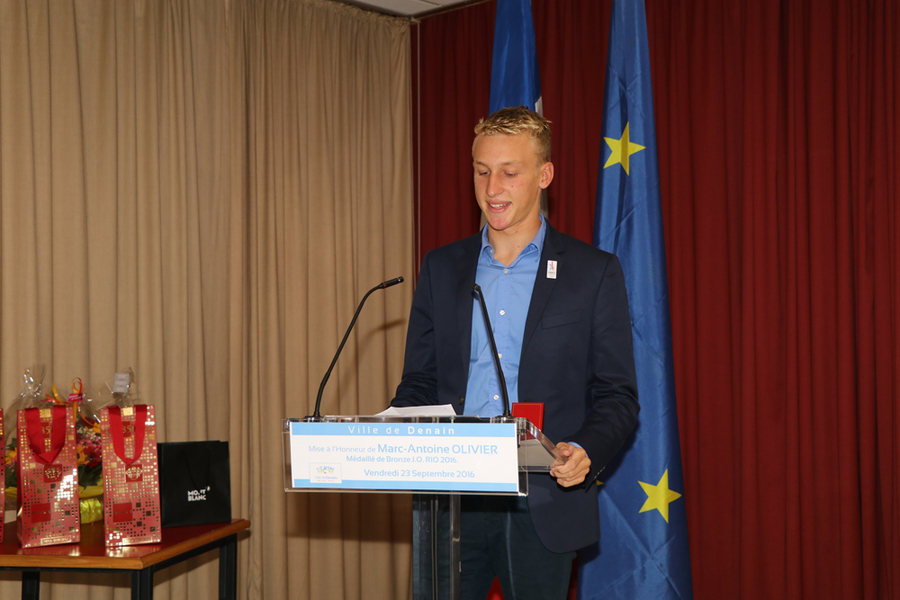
(435, 458)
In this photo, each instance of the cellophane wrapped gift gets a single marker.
(47, 502)
(131, 510)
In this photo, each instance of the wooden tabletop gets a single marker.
(92, 553)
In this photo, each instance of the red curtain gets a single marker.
(777, 124)
(452, 86)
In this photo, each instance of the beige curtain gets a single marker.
(203, 190)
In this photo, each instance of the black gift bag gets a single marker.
(194, 483)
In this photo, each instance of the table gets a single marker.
(142, 561)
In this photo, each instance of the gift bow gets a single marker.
(75, 398)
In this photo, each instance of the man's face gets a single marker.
(509, 177)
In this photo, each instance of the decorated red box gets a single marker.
(47, 501)
(131, 510)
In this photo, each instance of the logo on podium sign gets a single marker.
(325, 473)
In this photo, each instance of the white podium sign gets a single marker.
(394, 456)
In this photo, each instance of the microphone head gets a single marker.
(476, 288)
(393, 281)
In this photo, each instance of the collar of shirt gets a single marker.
(507, 293)
(536, 245)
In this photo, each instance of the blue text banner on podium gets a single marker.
(394, 456)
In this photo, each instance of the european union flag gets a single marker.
(643, 552)
(514, 68)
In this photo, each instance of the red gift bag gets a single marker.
(48, 510)
(131, 513)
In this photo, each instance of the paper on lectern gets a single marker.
(431, 410)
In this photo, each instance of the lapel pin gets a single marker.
(551, 269)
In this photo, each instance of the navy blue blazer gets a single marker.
(576, 358)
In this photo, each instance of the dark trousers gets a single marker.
(498, 539)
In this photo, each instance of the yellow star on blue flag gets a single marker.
(621, 148)
(659, 496)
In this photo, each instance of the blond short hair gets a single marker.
(516, 121)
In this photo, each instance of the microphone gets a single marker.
(381, 286)
(387, 284)
(490, 331)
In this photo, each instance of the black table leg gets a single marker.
(31, 585)
(228, 569)
(142, 584)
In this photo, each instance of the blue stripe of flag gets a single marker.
(515, 80)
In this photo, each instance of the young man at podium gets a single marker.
(559, 314)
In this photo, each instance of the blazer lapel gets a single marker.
(466, 264)
(554, 247)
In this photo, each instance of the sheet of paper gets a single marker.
(431, 410)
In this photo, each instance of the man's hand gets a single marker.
(575, 469)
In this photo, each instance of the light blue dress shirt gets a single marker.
(507, 292)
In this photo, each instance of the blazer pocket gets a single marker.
(562, 319)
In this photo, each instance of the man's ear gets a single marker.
(546, 174)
